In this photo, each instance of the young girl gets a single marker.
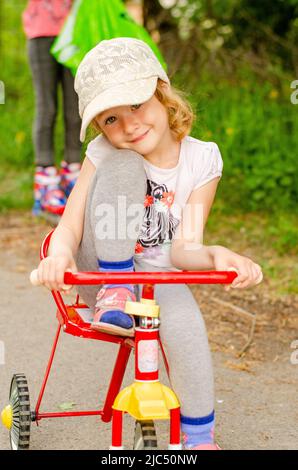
(144, 152)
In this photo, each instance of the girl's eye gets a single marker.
(136, 106)
(110, 120)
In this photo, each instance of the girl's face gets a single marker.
(141, 128)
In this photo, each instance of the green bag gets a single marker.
(91, 21)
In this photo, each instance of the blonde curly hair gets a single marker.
(180, 113)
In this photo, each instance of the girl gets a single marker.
(144, 152)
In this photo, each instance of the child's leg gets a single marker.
(184, 338)
(45, 74)
(113, 218)
(72, 121)
(70, 166)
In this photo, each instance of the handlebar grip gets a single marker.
(258, 281)
(35, 281)
(34, 278)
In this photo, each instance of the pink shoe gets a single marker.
(69, 173)
(48, 196)
(109, 316)
(205, 447)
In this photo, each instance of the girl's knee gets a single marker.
(122, 160)
(118, 173)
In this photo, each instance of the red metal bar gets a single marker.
(57, 296)
(165, 360)
(47, 372)
(117, 428)
(116, 380)
(175, 426)
(60, 304)
(148, 291)
(67, 414)
(187, 277)
(45, 245)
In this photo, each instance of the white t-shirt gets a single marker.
(167, 193)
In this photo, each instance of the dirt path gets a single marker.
(256, 394)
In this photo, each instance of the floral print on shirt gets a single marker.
(159, 224)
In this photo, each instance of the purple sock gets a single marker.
(117, 317)
(198, 430)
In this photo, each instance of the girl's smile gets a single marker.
(141, 137)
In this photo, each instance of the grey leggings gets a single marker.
(182, 330)
(46, 74)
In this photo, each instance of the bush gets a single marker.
(256, 129)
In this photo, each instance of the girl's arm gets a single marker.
(68, 234)
(189, 253)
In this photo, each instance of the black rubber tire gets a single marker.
(145, 436)
(19, 400)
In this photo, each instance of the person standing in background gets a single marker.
(42, 22)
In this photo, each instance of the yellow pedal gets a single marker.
(144, 308)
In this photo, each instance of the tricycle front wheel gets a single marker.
(21, 416)
(145, 436)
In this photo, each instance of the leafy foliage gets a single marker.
(256, 129)
(221, 36)
(248, 114)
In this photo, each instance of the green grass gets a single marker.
(256, 128)
(270, 240)
(15, 188)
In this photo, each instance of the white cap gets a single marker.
(116, 72)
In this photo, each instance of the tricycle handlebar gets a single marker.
(172, 277)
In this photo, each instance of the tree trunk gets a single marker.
(151, 9)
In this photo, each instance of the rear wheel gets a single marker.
(145, 436)
(21, 416)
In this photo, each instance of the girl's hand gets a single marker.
(51, 271)
(249, 273)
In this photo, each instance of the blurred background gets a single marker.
(237, 61)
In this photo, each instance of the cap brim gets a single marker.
(125, 94)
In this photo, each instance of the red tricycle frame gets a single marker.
(71, 322)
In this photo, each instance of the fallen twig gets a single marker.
(241, 311)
